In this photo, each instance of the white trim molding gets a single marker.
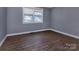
(70, 35)
(27, 32)
(67, 34)
(1, 43)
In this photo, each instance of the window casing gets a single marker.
(32, 15)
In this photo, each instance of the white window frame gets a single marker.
(33, 10)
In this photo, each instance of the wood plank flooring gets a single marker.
(41, 41)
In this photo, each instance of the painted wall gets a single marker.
(2, 23)
(15, 17)
(65, 20)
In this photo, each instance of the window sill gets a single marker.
(34, 23)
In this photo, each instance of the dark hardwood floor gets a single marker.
(41, 41)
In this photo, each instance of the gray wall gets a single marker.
(65, 20)
(2, 23)
(15, 25)
(61, 18)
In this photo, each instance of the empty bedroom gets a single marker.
(39, 28)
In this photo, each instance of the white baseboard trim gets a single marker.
(70, 35)
(20, 34)
(27, 32)
(67, 34)
(1, 43)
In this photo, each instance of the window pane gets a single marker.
(27, 19)
(38, 13)
(28, 10)
(38, 19)
(32, 15)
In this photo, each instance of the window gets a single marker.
(32, 15)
